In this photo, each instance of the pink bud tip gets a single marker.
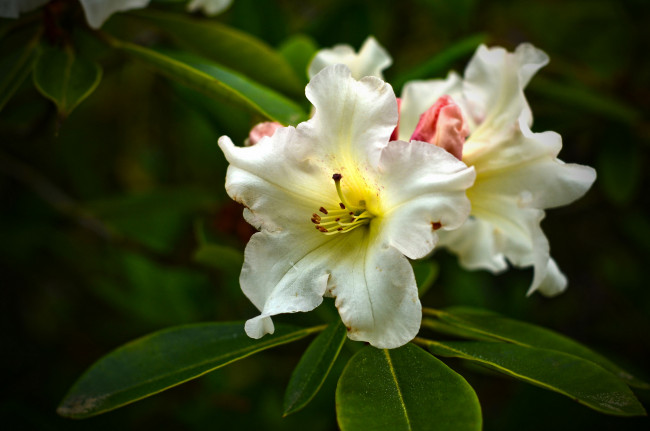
(260, 131)
(443, 125)
(395, 134)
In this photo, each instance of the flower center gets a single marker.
(343, 218)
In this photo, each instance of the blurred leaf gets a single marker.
(528, 335)
(620, 171)
(586, 99)
(220, 257)
(404, 389)
(299, 50)
(215, 81)
(440, 63)
(426, 273)
(228, 46)
(155, 218)
(16, 61)
(64, 77)
(165, 359)
(313, 368)
(581, 380)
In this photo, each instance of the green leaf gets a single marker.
(404, 389)
(426, 273)
(165, 359)
(16, 62)
(217, 82)
(569, 375)
(313, 368)
(64, 77)
(526, 334)
(232, 48)
(299, 51)
(441, 62)
(220, 257)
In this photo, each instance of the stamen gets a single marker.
(337, 184)
(323, 210)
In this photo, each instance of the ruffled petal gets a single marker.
(554, 281)
(98, 11)
(371, 60)
(528, 164)
(423, 190)
(493, 88)
(419, 96)
(353, 120)
(209, 7)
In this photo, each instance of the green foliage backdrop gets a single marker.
(114, 213)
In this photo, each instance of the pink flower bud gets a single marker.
(261, 130)
(443, 125)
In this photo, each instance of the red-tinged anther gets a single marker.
(316, 216)
(341, 205)
(351, 213)
(322, 229)
(323, 210)
(436, 225)
(313, 220)
(340, 229)
(338, 219)
(351, 219)
(337, 177)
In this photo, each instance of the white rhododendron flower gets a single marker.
(98, 11)
(484, 120)
(371, 60)
(340, 209)
(518, 172)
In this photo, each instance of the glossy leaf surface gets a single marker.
(165, 359)
(526, 334)
(313, 368)
(579, 379)
(404, 389)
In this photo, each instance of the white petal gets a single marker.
(528, 164)
(554, 281)
(284, 272)
(375, 292)
(353, 120)
(477, 245)
(493, 87)
(278, 184)
(371, 60)
(423, 190)
(418, 96)
(98, 11)
(209, 7)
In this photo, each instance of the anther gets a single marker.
(342, 206)
(323, 210)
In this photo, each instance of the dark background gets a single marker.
(100, 212)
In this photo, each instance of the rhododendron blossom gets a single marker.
(518, 172)
(340, 209)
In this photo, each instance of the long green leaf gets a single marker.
(217, 82)
(579, 379)
(500, 328)
(16, 62)
(313, 368)
(64, 77)
(426, 272)
(225, 45)
(404, 389)
(165, 359)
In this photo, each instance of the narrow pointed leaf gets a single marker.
(16, 61)
(404, 389)
(217, 82)
(228, 46)
(526, 334)
(165, 359)
(64, 77)
(313, 368)
(577, 378)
